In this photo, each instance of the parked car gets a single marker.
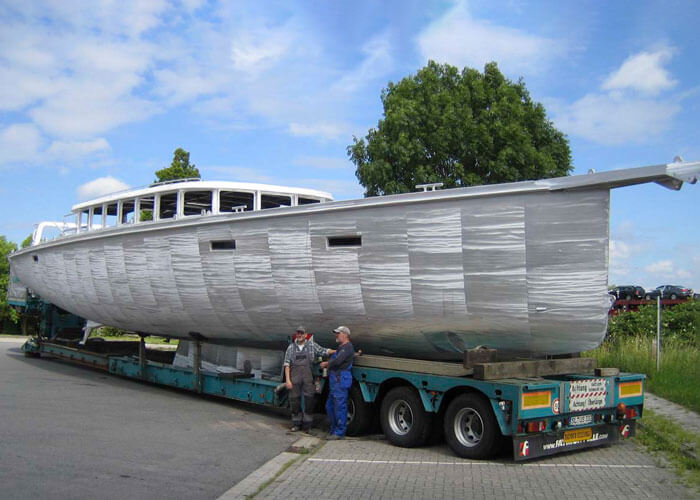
(669, 292)
(628, 292)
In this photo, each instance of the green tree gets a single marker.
(460, 128)
(180, 168)
(6, 312)
(26, 241)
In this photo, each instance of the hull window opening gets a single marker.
(345, 241)
(223, 245)
(274, 201)
(307, 201)
(196, 203)
(168, 206)
(231, 201)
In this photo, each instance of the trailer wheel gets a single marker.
(360, 413)
(404, 419)
(471, 429)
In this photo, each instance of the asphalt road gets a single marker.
(70, 432)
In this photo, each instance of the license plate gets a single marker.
(581, 420)
(578, 435)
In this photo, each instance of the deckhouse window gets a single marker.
(111, 215)
(96, 218)
(146, 209)
(168, 206)
(83, 219)
(128, 211)
(232, 201)
(307, 201)
(196, 202)
(274, 201)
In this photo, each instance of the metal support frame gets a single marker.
(197, 366)
(143, 362)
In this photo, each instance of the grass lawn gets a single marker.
(679, 377)
(680, 447)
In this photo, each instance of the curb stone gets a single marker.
(252, 483)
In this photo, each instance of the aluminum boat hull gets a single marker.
(521, 267)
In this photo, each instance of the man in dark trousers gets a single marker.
(298, 361)
(340, 380)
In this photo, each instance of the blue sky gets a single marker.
(96, 95)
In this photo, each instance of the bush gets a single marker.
(680, 322)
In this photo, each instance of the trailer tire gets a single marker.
(360, 413)
(471, 429)
(404, 419)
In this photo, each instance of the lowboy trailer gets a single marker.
(541, 407)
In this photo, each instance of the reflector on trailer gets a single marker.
(532, 400)
(630, 389)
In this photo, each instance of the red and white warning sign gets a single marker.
(587, 394)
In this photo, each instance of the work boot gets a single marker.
(295, 428)
(334, 437)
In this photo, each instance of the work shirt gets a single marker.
(343, 358)
(294, 347)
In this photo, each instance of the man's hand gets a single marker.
(288, 384)
(324, 364)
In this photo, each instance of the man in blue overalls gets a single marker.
(340, 380)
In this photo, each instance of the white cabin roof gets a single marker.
(202, 186)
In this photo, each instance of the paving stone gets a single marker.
(356, 469)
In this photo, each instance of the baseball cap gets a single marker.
(342, 329)
(300, 329)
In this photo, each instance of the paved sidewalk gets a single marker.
(687, 418)
(373, 469)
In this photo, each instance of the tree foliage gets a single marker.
(6, 312)
(460, 128)
(180, 168)
(26, 242)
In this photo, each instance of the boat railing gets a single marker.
(174, 181)
(64, 229)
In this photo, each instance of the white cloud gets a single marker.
(621, 115)
(660, 267)
(643, 72)
(322, 130)
(19, 143)
(377, 62)
(255, 50)
(77, 149)
(461, 40)
(100, 187)
(616, 118)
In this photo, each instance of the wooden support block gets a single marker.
(607, 372)
(412, 365)
(479, 355)
(533, 368)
